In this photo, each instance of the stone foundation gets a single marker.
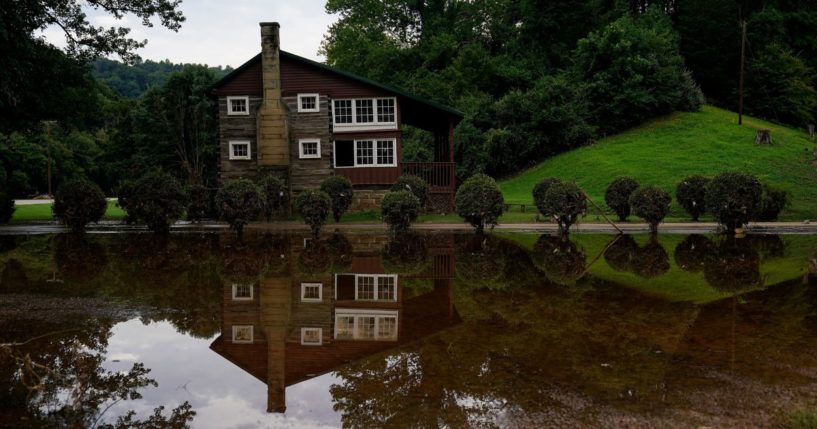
(366, 200)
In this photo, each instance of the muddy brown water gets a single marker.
(427, 330)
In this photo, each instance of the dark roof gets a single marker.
(394, 90)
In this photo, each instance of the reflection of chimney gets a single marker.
(275, 308)
(273, 136)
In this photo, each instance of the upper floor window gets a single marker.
(365, 114)
(238, 105)
(308, 103)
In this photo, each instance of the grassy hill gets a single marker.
(664, 151)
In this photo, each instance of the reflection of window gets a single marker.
(365, 153)
(376, 287)
(345, 327)
(308, 103)
(242, 292)
(366, 325)
(309, 148)
(238, 105)
(386, 290)
(311, 336)
(365, 287)
(242, 334)
(387, 328)
(240, 150)
(311, 292)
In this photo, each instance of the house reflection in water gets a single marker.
(289, 328)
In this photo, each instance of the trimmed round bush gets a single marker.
(772, 202)
(199, 203)
(6, 207)
(565, 202)
(479, 201)
(733, 199)
(275, 195)
(691, 195)
(651, 203)
(314, 207)
(539, 192)
(239, 202)
(617, 196)
(78, 203)
(399, 209)
(158, 200)
(340, 192)
(413, 184)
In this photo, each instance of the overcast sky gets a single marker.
(224, 32)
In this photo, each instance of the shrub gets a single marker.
(539, 192)
(239, 202)
(124, 199)
(413, 184)
(314, 207)
(158, 200)
(399, 209)
(199, 203)
(78, 203)
(651, 204)
(6, 208)
(691, 195)
(617, 196)
(772, 202)
(275, 195)
(565, 202)
(340, 194)
(479, 201)
(733, 198)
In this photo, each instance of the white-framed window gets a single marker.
(360, 114)
(375, 287)
(238, 105)
(309, 148)
(308, 103)
(365, 153)
(240, 150)
(242, 334)
(311, 292)
(366, 325)
(242, 291)
(311, 336)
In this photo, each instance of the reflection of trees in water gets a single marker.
(406, 254)
(479, 261)
(733, 266)
(79, 257)
(647, 261)
(13, 277)
(323, 256)
(619, 254)
(7, 242)
(559, 259)
(691, 253)
(246, 260)
(767, 246)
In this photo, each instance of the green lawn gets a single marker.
(664, 151)
(42, 212)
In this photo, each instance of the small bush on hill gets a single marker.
(733, 199)
(6, 208)
(399, 209)
(314, 207)
(340, 192)
(651, 204)
(565, 202)
(199, 203)
(539, 192)
(691, 195)
(772, 202)
(158, 200)
(275, 195)
(78, 203)
(479, 201)
(239, 203)
(413, 184)
(617, 196)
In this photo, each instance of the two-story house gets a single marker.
(304, 121)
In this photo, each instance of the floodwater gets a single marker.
(428, 330)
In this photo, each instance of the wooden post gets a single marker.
(811, 131)
(763, 136)
(742, 65)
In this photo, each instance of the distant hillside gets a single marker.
(133, 81)
(664, 151)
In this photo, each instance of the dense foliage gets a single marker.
(399, 209)
(199, 203)
(479, 201)
(133, 80)
(239, 202)
(691, 195)
(772, 202)
(314, 207)
(6, 207)
(617, 196)
(733, 198)
(276, 195)
(79, 203)
(157, 200)
(539, 192)
(565, 202)
(339, 189)
(650, 203)
(415, 185)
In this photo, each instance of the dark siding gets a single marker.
(247, 82)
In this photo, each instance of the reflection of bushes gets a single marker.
(406, 254)
(733, 267)
(651, 260)
(560, 259)
(249, 259)
(324, 256)
(480, 261)
(768, 246)
(79, 257)
(619, 255)
(340, 249)
(691, 253)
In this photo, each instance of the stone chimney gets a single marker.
(273, 136)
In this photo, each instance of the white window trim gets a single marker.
(230, 111)
(303, 292)
(243, 298)
(317, 103)
(377, 278)
(320, 336)
(378, 316)
(240, 158)
(364, 126)
(252, 334)
(301, 148)
(374, 154)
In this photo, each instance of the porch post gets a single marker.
(453, 169)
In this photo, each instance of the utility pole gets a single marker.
(742, 66)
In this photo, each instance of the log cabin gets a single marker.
(303, 121)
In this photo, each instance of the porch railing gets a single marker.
(440, 176)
